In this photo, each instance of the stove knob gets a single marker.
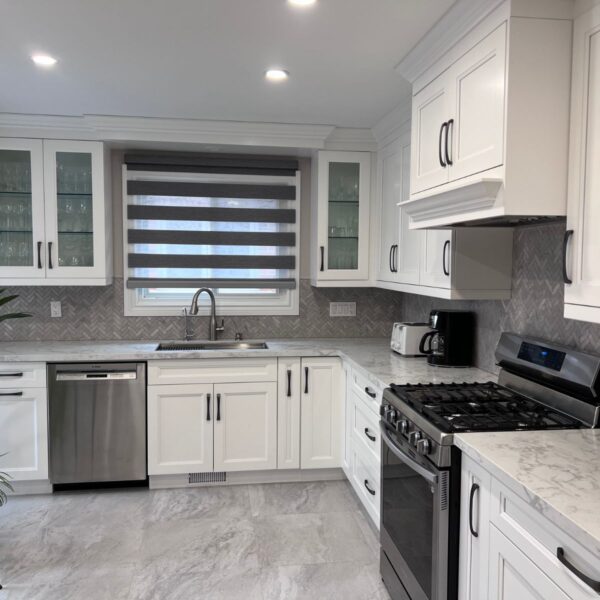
(414, 437)
(392, 416)
(424, 447)
(402, 426)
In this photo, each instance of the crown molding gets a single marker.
(455, 24)
(349, 138)
(143, 129)
(394, 124)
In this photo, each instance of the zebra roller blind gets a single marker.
(218, 221)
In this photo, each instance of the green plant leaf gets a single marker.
(8, 299)
(14, 316)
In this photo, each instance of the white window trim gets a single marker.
(288, 303)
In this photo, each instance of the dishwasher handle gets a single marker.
(95, 375)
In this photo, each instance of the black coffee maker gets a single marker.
(450, 344)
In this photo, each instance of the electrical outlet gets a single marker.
(342, 309)
(55, 308)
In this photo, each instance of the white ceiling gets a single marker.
(205, 59)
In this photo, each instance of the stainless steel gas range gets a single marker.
(540, 386)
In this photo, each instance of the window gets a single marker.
(231, 227)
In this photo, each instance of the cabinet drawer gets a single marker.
(365, 428)
(365, 390)
(22, 375)
(220, 370)
(366, 482)
(539, 539)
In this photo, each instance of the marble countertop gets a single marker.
(555, 471)
(372, 356)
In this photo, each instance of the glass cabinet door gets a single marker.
(21, 209)
(74, 208)
(343, 212)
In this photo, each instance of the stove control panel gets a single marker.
(407, 429)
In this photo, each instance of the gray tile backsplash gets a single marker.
(536, 308)
(97, 313)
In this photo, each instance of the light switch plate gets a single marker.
(342, 309)
(55, 308)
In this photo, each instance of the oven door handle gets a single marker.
(407, 460)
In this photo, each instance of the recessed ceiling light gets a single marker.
(43, 60)
(302, 2)
(276, 75)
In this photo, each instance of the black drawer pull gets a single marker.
(370, 393)
(18, 374)
(50, 255)
(441, 157)
(446, 247)
(391, 264)
(39, 249)
(322, 258)
(306, 380)
(289, 383)
(566, 238)
(371, 437)
(595, 585)
(449, 127)
(369, 489)
(11, 394)
(208, 407)
(218, 407)
(474, 488)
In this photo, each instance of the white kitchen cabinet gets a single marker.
(340, 218)
(582, 243)
(437, 259)
(321, 413)
(490, 122)
(366, 482)
(180, 429)
(400, 248)
(513, 575)
(55, 226)
(245, 426)
(475, 493)
(288, 413)
(24, 433)
(347, 434)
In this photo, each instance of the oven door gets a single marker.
(414, 518)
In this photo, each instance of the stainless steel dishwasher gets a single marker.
(97, 422)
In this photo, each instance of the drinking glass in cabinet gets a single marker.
(73, 173)
(75, 249)
(15, 172)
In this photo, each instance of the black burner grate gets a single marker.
(461, 407)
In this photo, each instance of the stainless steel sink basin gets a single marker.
(220, 345)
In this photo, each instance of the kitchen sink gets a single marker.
(219, 345)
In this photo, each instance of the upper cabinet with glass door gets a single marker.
(340, 218)
(54, 213)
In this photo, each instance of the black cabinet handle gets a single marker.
(449, 126)
(474, 488)
(371, 437)
(390, 259)
(13, 374)
(218, 407)
(39, 249)
(322, 258)
(289, 383)
(50, 255)
(370, 393)
(306, 380)
(566, 238)
(595, 585)
(208, 407)
(369, 489)
(441, 157)
(395, 258)
(11, 394)
(444, 251)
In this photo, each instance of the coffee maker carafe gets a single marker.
(450, 344)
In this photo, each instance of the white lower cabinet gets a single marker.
(366, 482)
(24, 433)
(321, 413)
(475, 485)
(513, 575)
(288, 413)
(245, 426)
(180, 429)
(509, 550)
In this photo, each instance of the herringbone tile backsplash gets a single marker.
(96, 313)
(536, 308)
